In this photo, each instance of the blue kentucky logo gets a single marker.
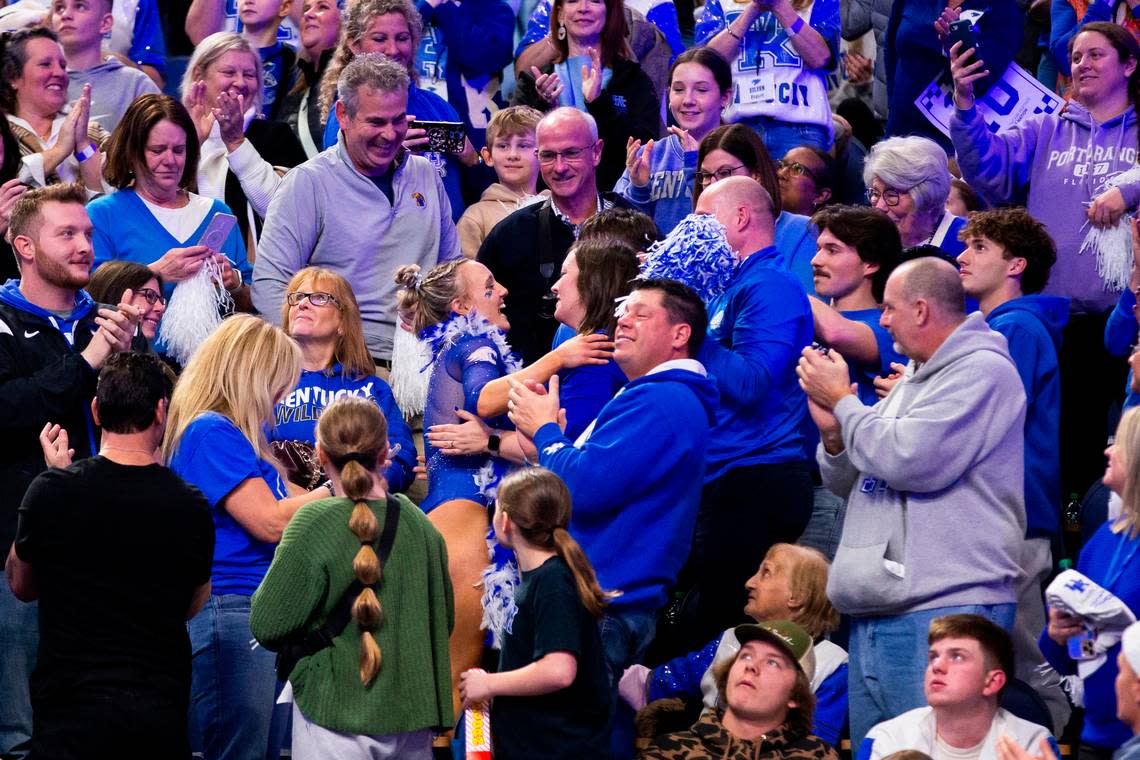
(1077, 585)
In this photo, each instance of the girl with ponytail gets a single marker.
(384, 684)
(558, 705)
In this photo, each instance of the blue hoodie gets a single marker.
(757, 329)
(1032, 326)
(1054, 164)
(636, 481)
(425, 105)
(1120, 334)
(296, 416)
(668, 197)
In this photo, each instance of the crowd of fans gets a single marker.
(570, 379)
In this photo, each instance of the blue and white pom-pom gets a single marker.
(696, 253)
(194, 312)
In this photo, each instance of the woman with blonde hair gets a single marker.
(320, 313)
(394, 28)
(1108, 559)
(243, 157)
(384, 682)
(456, 308)
(215, 440)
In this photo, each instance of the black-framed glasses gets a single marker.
(152, 296)
(707, 178)
(890, 197)
(547, 157)
(796, 168)
(316, 299)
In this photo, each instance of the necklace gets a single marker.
(120, 448)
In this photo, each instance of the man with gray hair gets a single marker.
(525, 251)
(932, 475)
(908, 179)
(362, 208)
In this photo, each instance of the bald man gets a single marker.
(525, 251)
(933, 478)
(758, 482)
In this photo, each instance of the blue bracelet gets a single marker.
(796, 27)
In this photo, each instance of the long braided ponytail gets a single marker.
(353, 434)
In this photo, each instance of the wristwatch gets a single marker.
(494, 440)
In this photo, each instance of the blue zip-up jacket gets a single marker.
(295, 418)
(681, 678)
(425, 105)
(757, 329)
(668, 197)
(1112, 561)
(1120, 334)
(468, 44)
(1032, 326)
(636, 481)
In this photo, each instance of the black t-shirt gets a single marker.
(117, 552)
(572, 722)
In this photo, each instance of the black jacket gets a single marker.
(628, 107)
(525, 252)
(42, 379)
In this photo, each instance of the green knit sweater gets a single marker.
(311, 570)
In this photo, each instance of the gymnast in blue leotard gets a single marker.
(457, 309)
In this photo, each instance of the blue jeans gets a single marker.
(781, 136)
(887, 664)
(234, 683)
(626, 634)
(19, 640)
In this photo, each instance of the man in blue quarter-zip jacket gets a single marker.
(758, 481)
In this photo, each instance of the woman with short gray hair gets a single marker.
(908, 179)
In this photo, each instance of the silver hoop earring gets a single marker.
(561, 31)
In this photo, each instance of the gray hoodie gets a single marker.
(933, 479)
(113, 87)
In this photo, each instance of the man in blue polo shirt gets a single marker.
(758, 484)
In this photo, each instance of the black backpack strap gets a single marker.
(322, 637)
(546, 262)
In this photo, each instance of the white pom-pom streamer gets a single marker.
(1112, 247)
(411, 360)
(194, 312)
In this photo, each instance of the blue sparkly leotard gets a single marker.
(467, 353)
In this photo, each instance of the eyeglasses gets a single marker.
(547, 157)
(890, 197)
(316, 299)
(152, 296)
(707, 178)
(796, 168)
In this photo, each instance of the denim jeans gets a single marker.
(234, 683)
(625, 637)
(19, 640)
(781, 136)
(887, 662)
(825, 527)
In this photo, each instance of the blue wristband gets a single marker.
(87, 152)
(796, 27)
